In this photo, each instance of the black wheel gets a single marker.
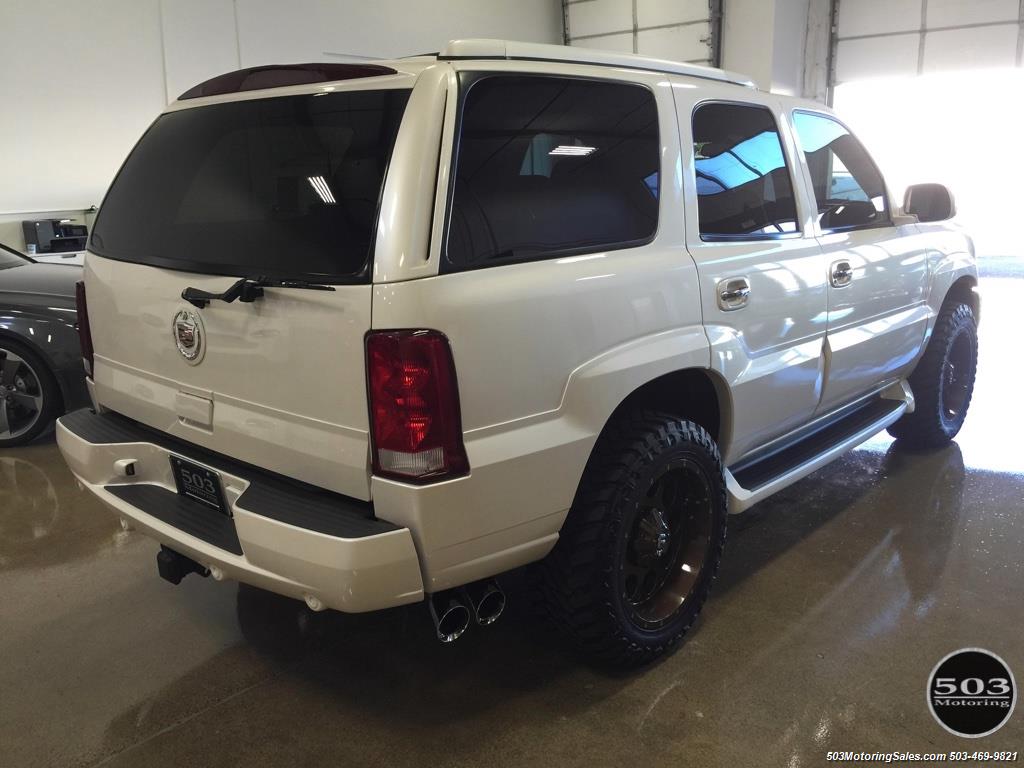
(29, 396)
(642, 543)
(943, 381)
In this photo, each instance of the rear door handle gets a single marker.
(841, 274)
(733, 293)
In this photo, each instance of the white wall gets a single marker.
(765, 39)
(747, 38)
(790, 44)
(768, 40)
(816, 50)
(79, 82)
(666, 29)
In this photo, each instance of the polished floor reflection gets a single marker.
(836, 599)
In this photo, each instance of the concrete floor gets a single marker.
(836, 599)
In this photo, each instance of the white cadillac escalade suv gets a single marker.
(374, 334)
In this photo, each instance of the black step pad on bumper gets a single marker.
(268, 494)
(192, 517)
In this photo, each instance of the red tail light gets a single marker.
(414, 406)
(84, 333)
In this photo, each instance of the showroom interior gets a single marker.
(836, 598)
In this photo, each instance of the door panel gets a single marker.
(770, 351)
(877, 271)
(876, 323)
(762, 274)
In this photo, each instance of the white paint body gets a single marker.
(544, 351)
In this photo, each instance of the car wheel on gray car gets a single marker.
(29, 397)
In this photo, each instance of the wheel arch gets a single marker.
(964, 289)
(669, 372)
(694, 394)
(953, 274)
(48, 361)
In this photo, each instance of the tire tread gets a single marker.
(924, 428)
(572, 584)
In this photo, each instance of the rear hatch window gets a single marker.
(282, 187)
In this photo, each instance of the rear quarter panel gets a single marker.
(544, 352)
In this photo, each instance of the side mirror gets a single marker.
(929, 202)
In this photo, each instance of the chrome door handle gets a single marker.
(842, 274)
(733, 293)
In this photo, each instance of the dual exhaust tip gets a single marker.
(453, 610)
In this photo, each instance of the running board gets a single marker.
(766, 472)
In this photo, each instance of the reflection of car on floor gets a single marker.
(41, 372)
(30, 507)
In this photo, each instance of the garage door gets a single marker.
(681, 30)
(906, 37)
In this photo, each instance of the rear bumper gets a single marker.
(286, 538)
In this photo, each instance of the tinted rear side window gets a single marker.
(743, 185)
(551, 166)
(285, 187)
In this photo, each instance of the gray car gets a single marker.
(41, 373)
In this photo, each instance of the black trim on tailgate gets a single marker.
(269, 494)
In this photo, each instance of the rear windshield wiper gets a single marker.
(247, 290)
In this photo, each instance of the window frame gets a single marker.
(751, 237)
(885, 221)
(466, 81)
(363, 277)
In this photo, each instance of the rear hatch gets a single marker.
(286, 188)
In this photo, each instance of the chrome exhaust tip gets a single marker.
(488, 601)
(450, 615)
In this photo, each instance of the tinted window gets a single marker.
(743, 185)
(549, 166)
(847, 186)
(284, 187)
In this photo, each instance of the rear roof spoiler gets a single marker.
(280, 75)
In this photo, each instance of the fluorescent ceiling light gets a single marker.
(320, 187)
(572, 151)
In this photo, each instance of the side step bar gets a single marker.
(767, 471)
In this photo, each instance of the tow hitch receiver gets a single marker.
(174, 567)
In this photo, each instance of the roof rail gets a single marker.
(510, 49)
